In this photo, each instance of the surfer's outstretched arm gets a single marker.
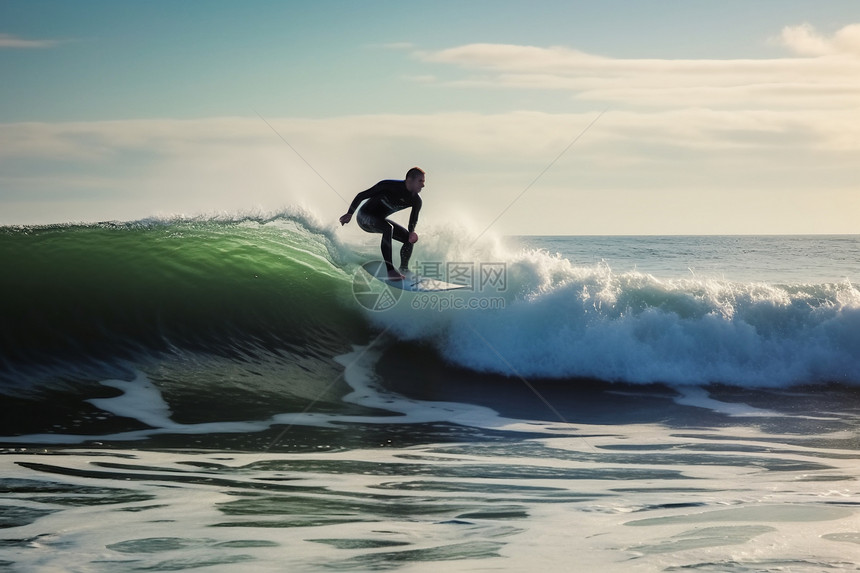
(366, 194)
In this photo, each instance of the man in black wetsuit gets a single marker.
(383, 199)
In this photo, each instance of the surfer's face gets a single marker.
(415, 184)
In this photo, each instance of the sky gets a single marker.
(544, 117)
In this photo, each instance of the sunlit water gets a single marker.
(385, 457)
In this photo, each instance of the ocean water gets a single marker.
(233, 393)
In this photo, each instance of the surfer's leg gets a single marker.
(389, 230)
(402, 235)
(405, 255)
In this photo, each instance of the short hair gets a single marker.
(414, 172)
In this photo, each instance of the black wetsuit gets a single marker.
(383, 199)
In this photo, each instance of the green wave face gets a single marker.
(112, 290)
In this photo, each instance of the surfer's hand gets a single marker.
(413, 237)
(346, 219)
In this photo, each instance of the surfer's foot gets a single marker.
(395, 276)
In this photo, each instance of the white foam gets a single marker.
(700, 398)
(642, 499)
(564, 321)
(141, 400)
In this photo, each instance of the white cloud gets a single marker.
(633, 171)
(831, 79)
(515, 57)
(10, 41)
(805, 40)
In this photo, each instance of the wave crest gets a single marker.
(565, 321)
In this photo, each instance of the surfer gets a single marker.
(383, 199)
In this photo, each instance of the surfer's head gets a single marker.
(415, 180)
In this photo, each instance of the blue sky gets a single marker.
(717, 117)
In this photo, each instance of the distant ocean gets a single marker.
(235, 394)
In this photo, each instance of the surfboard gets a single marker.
(413, 282)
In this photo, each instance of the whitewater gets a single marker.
(229, 393)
